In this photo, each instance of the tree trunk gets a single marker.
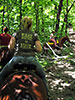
(20, 12)
(8, 14)
(65, 18)
(58, 15)
(42, 20)
(37, 17)
(3, 16)
(55, 8)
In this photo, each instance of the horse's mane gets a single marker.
(65, 38)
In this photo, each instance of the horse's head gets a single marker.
(23, 86)
(67, 38)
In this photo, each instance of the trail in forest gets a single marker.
(61, 76)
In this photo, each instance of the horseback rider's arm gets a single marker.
(11, 43)
(38, 46)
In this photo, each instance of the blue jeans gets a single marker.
(8, 68)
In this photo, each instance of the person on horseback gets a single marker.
(5, 37)
(4, 42)
(25, 43)
(52, 38)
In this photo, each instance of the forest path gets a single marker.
(61, 76)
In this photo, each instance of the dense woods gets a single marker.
(47, 16)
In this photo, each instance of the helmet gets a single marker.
(26, 23)
(5, 29)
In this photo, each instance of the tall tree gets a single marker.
(58, 15)
(37, 16)
(8, 13)
(20, 12)
(66, 16)
(42, 20)
(3, 16)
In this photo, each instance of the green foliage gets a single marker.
(72, 62)
(65, 51)
(28, 8)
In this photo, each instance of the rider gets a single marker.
(26, 43)
(4, 42)
(5, 37)
(53, 38)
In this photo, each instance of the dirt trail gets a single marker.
(61, 77)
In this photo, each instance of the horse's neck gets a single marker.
(64, 39)
(61, 41)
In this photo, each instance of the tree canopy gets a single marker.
(47, 15)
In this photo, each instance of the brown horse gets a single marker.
(23, 86)
(62, 40)
(5, 55)
(59, 43)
